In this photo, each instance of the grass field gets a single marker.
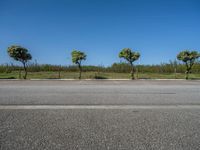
(96, 75)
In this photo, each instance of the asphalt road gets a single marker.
(93, 115)
(100, 92)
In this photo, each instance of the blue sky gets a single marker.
(50, 29)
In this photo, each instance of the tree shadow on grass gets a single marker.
(8, 78)
(100, 77)
(194, 79)
(145, 78)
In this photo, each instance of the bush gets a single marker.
(116, 67)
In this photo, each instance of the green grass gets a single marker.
(95, 75)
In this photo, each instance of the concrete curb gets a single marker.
(96, 80)
(81, 79)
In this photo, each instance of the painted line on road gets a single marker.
(17, 107)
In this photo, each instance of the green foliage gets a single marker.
(189, 58)
(129, 55)
(120, 68)
(78, 56)
(116, 68)
(19, 53)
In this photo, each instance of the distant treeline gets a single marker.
(171, 67)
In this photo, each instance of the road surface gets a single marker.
(99, 115)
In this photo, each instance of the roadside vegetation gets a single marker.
(77, 58)
(131, 57)
(21, 54)
(171, 70)
(188, 64)
(189, 58)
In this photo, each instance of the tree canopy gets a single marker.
(189, 58)
(129, 55)
(78, 56)
(19, 53)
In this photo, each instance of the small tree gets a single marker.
(189, 58)
(21, 54)
(77, 57)
(130, 56)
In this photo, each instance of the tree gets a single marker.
(21, 54)
(77, 58)
(189, 58)
(130, 56)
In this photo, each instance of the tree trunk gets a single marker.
(187, 71)
(80, 71)
(25, 70)
(186, 75)
(132, 72)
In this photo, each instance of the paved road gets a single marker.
(100, 92)
(99, 115)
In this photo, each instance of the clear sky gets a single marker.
(50, 29)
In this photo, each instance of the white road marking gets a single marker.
(17, 107)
